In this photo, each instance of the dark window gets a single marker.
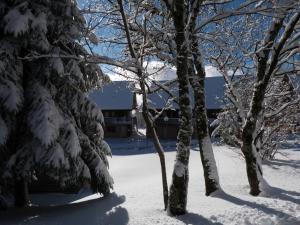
(111, 129)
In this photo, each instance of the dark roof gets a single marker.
(119, 95)
(214, 92)
(115, 95)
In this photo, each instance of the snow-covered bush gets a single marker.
(229, 122)
(278, 120)
(47, 123)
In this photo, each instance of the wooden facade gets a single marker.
(167, 125)
(117, 123)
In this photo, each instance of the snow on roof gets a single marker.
(119, 95)
(113, 96)
(214, 92)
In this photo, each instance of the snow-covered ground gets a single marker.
(137, 198)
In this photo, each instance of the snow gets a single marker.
(158, 71)
(40, 22)
(12, 95)
(214, 92)
(138, 200)
(82, 104)
(57, 157)
(86, 172)
(211, 71)
(17, 23)
(209, 156)
(179, 168)
(57, 65)
(105, 148)
(72, 144)
(122, 95)
(44, 117)
(115, 95)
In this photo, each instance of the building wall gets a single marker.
(117, 123)
(167, 125)
(117, 131)
(167, 131)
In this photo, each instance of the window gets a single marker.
(111, 129)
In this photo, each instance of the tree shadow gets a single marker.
(285, 195)
(104, 210)
(280, 162)
(261, 207)
(57, 199)
(195, 219)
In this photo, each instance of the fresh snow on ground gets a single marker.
(137, 198)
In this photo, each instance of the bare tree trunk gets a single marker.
(146, 113)
(267, 62)
(197, 80)
(134, 130)
(158, 147)
(180, 177)
(206, 151)
(21, 193)
(254, 171)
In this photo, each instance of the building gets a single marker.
(168, 123)
(118, 101)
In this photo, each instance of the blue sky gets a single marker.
(115, 51)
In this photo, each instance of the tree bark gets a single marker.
(197, 81)
(21, 193)
(146, 113)
(206, 151)
(180, 176)
(158, 147)
(254, 170)
(266, 65)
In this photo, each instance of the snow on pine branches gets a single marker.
(48, 126)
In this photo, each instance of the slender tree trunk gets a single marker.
(266, 65)
(253, 167)
(134, 131)
(197, 81)
(180, 176)
(18, 137)
(158, 147)
(146, 113)
(206, 151)
(21, 193)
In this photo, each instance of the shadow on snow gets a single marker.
(291, 220)
(100, 211)
(195, 219)
(281, 162)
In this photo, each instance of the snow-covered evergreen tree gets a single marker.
(47, 123)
